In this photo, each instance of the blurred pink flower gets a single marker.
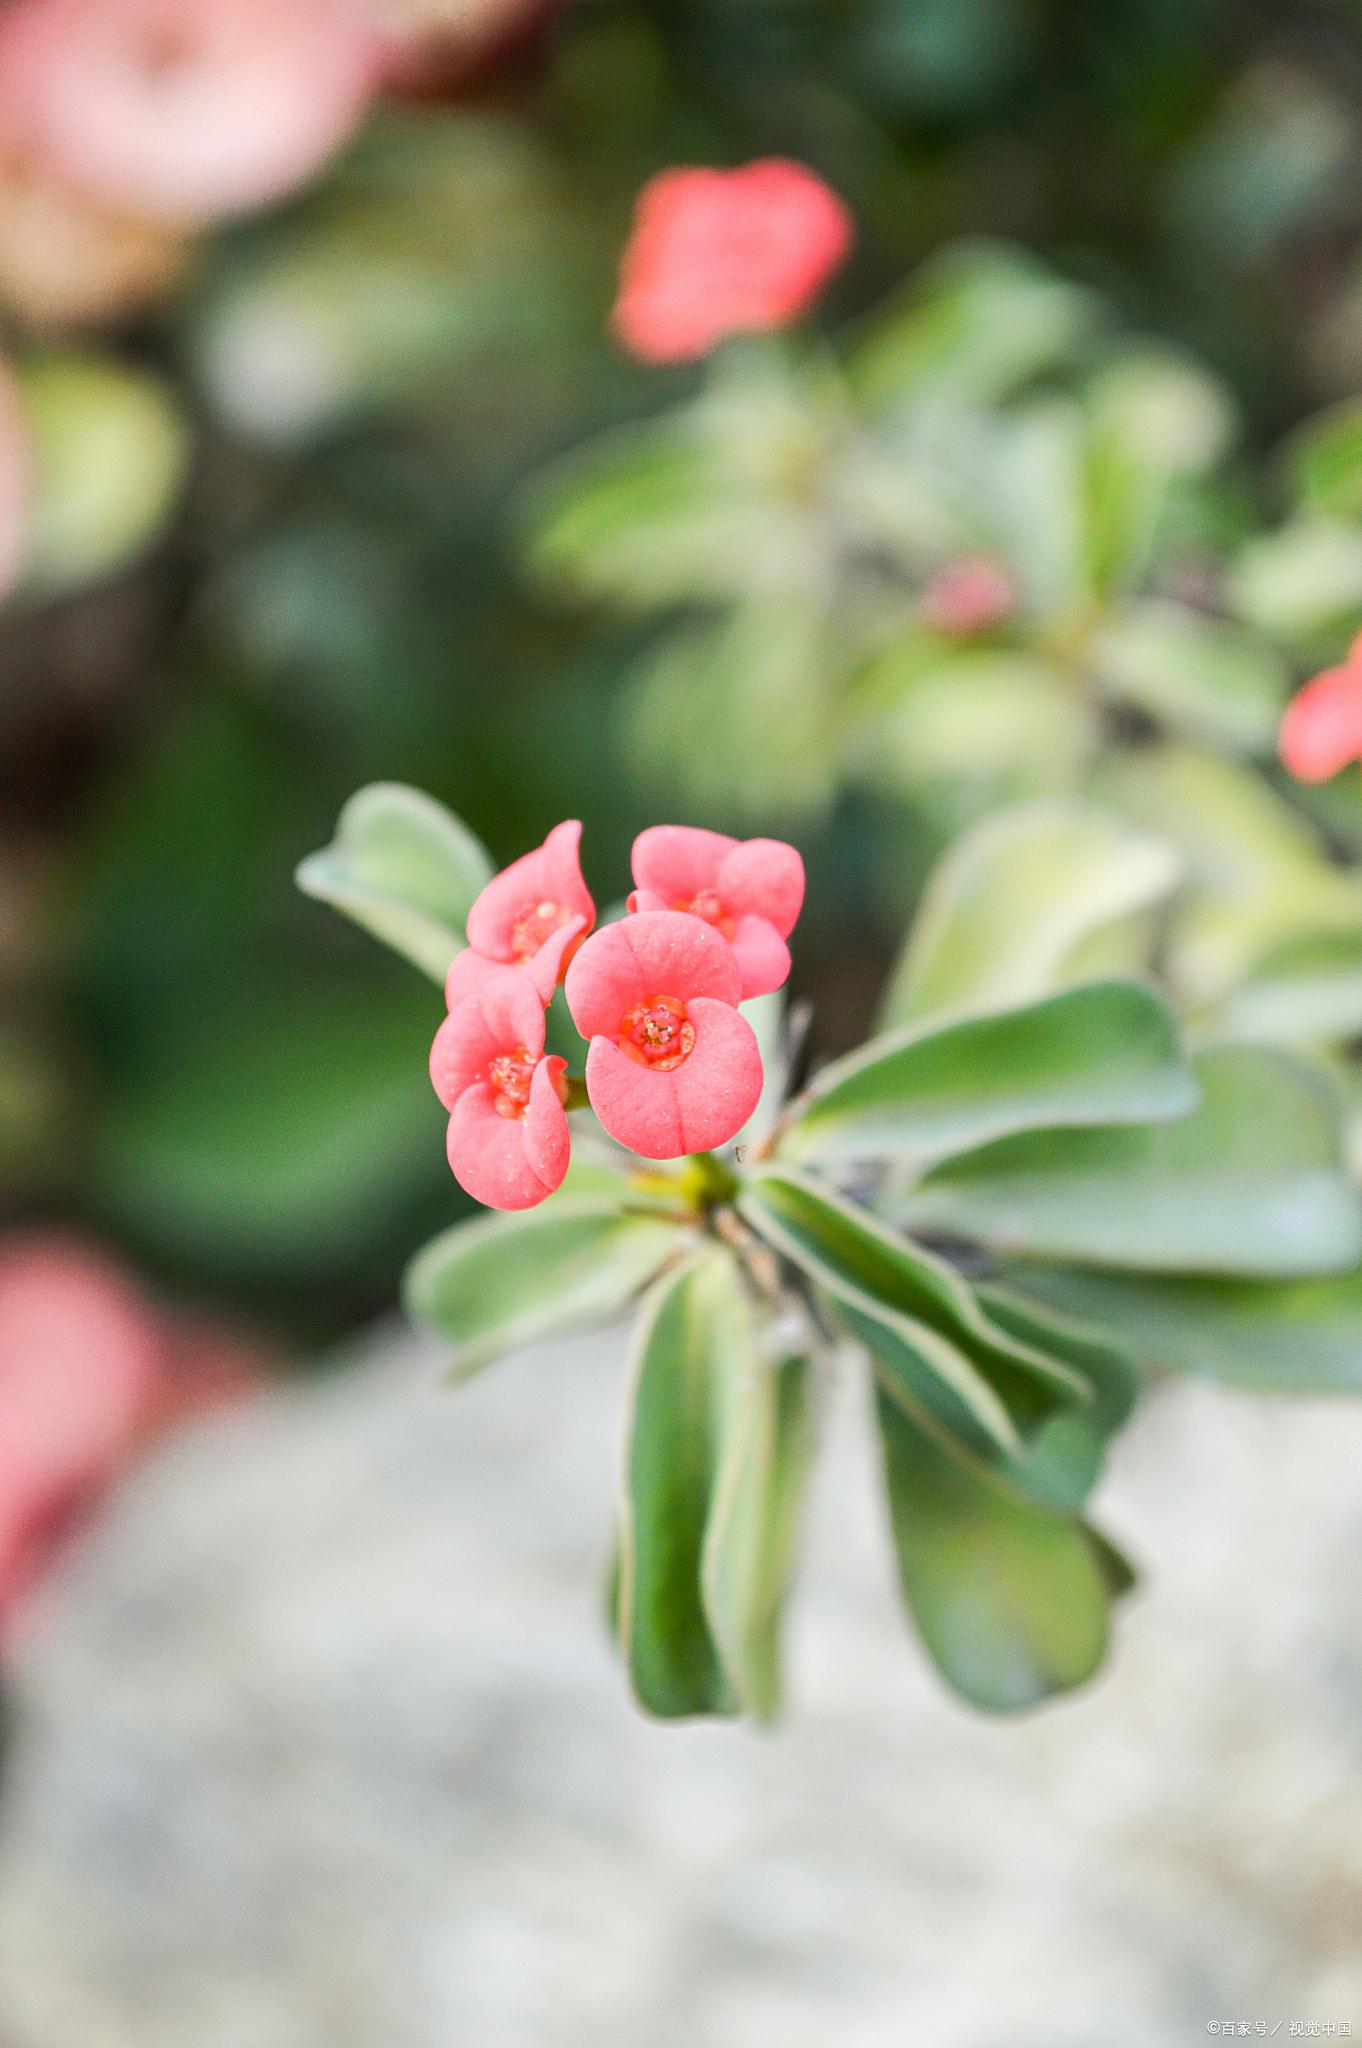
(184, 109)
(528, 905)
(714, 253)
(973, 594)
(89, 1370)
(15, 482)
(673, 1066)
(1321, 730)
(67, 261)
(508, 1139)
(750, 890)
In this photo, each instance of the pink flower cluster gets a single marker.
(672, 1064)
(714, 253)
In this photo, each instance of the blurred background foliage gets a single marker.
(1065, 499)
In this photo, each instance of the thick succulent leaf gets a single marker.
(1010, 1597)
(692, 1351)
(1202, 675)
(925, 714)
(1302, 1337)
(754, 1520)
(405, 868)
(915, 1314)
(1107, 1052)
(1251, 1183)
(1061, 1463)
(499, 1281)
(1017, 899)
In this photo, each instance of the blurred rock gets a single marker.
(321, 1747)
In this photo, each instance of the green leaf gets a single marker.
(1303, 1337)
(110, 452)
(1325, 461)
(976, 324)
(1016, 899)
(1107, 1052)
(1303, 581)
(406, 869)
(1305, 990)
(990, 716)
(1062, 1462)
(1152, 422)
(1203, 675)
(918, 1318)
(692, 1350)
(500, 1281)
(754, 1520)
(1251, 1183)
(1010, 1597)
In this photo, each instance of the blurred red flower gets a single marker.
(1321, 731)
(714, 253)
(90, 1370)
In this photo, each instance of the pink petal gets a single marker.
(762, 955)
(654, 953)
(550, 874)
(502, 1015)
(677, 862)
(1322, 727)
(700, 1104)
(548, 1140)
(489, 1156)
(469, 971)
(185, 109)
(766, 878)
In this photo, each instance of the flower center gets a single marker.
(657, 1033)
(536, 923)
(510, 1075)
(710, 907)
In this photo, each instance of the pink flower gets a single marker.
(184, 109)
(1322, 727)
(508, 1130)
(528, 906)
(15, 482)
(725, 252)
(750, 890)
(971, 595)
(673, 1067)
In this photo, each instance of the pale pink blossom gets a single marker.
(508, 1139)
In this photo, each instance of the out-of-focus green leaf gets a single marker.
(978, 323)
(1010, 1597)
(406, 869)
(1153, 421)
(754, 1520)
(986, 717)
(1202, 675)
(1107, 1052)
(1325, 460)
(1250, 1183)
(692, 1353)
(1061, 1463)
(1304, 990)
(492, 1284)
(110, 451)
(1017, 899)
(1303, 581)
(1303, 1337)
(915, 1315)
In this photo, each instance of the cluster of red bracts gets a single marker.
(672, 1066)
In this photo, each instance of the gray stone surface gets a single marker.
(321, 1747)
